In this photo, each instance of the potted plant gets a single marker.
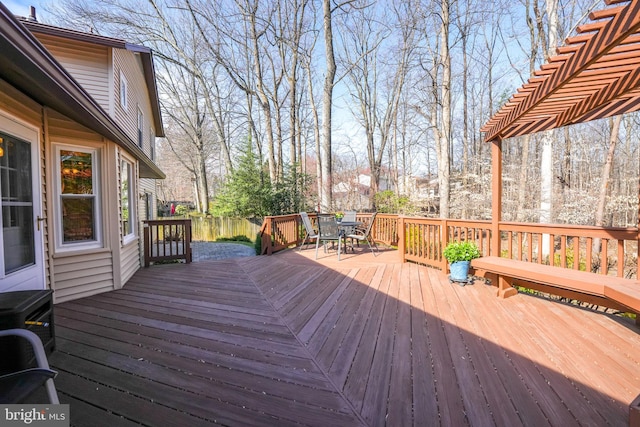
(459, 256)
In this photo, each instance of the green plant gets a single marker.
(461, 251)
(234, 239)
(181, 210)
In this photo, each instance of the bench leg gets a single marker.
(634, 413)
(505, 288)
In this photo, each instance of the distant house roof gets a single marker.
(28, 66)
(596, 75)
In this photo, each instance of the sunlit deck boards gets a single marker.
(286, 340)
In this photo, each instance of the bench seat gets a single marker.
(620, 291)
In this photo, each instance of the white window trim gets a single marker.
(152, 144)
(133, 212)
(140, 119)
(124, 91)
(97, 192)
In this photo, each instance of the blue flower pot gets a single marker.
(459, 271)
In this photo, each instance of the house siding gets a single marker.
(138, 97)
(89, 64)
(76, 271)
(82, 275)
(130, 260)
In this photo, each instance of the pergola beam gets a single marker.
(600, 58)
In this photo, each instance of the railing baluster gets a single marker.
(620, 258)
(604, 259)
(167, 240)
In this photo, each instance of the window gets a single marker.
(78, 198)
(123, 91)
(127, 199)
(17, 204)
(140, 127)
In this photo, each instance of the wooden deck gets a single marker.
(287, 340)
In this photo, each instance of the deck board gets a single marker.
(288, 340)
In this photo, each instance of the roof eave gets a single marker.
(35, 72)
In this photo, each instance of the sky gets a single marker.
(21, 7)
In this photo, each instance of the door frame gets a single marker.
(33, 277)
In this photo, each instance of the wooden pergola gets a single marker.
(595, 75)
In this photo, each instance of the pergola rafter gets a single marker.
(596, 75)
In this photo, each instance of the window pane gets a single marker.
(125, 172)
(19, 251)
(15, 163)
(76, 172)
(77, 223)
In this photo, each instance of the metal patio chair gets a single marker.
(364, 234)
(310, 233)
(16, 386)
(328, 230)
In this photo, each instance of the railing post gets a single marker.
(266, 237)
(147, 244)
(496, 196)
(187, 241)
(402, 236)
(444, 238)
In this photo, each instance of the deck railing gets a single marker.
(422, 240)
(284, 231)
(602, 250)
(167, 239)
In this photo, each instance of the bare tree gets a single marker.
(327, 104)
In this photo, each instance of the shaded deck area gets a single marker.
(287, 340)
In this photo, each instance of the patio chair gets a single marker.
(16, 386)
(310, 233)
(328, 230)
(349, 216)
(364, 234)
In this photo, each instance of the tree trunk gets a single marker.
(445, 136)
(327, 101)
(546, 162)
(606, 171)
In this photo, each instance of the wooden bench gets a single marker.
(614, 292)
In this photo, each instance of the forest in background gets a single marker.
(307, 94)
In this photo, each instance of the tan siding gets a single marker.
(45, 196)
(130, 260)
(64, 295)
(148, 186)
(61, 127)
(131, 252)
(82, 274)
(87, 63)
(20, 106)
(138, 96)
